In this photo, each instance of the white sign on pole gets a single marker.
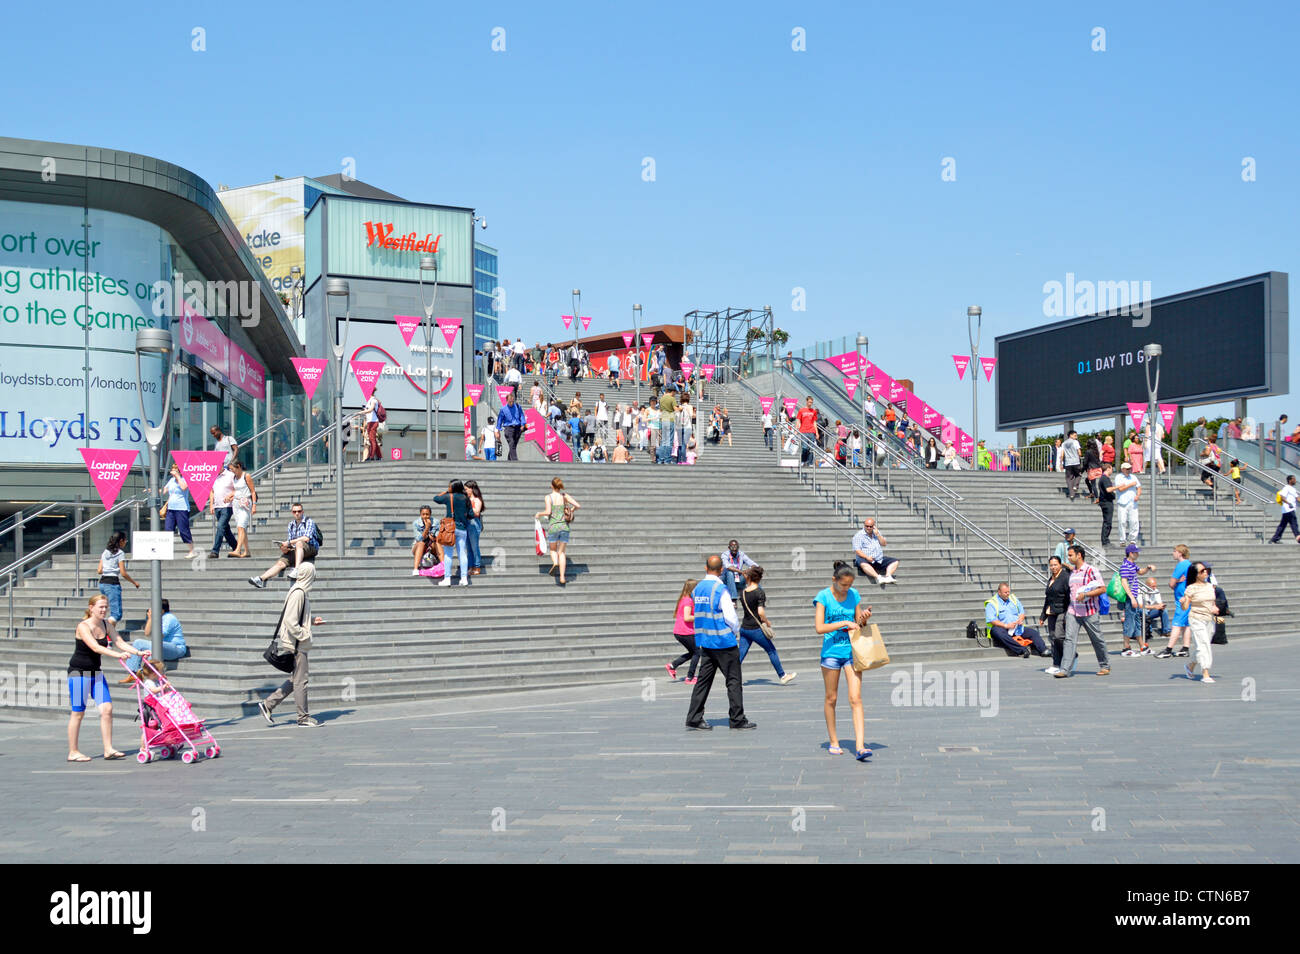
(147, 545)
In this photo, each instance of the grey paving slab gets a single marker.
(1135, 768)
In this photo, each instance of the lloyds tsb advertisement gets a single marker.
(63, 287)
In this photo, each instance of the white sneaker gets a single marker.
(888, 579)
(464, 582)
(1208, 678)
(446, 581)
(415, 573)
(788, 677)
(1051, 670)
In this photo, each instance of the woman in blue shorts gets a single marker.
(96, 636)
(839, 616)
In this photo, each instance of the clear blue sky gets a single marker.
(775, 169)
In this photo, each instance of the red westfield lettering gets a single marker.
(380, 235)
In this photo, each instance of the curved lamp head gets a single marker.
(338, 287)
(154, 341)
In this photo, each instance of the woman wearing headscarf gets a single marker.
(293, 635)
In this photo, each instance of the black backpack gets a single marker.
(318, 539)
(1220, 637)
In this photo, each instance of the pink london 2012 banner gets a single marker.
(1167, 412)
(503, 390)
(568, 320)
(311, 371)
(687, 368)
(707, 370)
(646, 338)
(766, 403)
(1138, 411)
(108, 470)
(475, 391)
(851, 386)
(790, 404)
(200, 470)
(586, 322)
(627, 339)
(962, 361)
(367, 375)
(988, 364)
(449, 327)
(407, 324)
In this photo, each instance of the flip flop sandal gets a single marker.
(864, 755)
(114, 755)
(835, 750)
(84, 758)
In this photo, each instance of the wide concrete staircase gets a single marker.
(640, 533)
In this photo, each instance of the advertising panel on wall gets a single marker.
(270, 218)
(401, 383)
(1219, 343)
(386, 240)
(58, 292)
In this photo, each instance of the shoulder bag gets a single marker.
(278, 660)
(762, 624)
(447, 531)
(569, 512)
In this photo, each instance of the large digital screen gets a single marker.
(401, 383)
(1219, 343)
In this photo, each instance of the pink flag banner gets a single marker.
(646, 338)
(1138, 411)
(448, 327)
(849, 362)
(543, 435)
(707, 370)
(367, 375)
(1167, 412)
(790, 404)
(200, 469)
(407, 324)
(627, 339)
(896, 390)
(311, 371)
(988, 364)
(948, 431)
(929, 416)
(586, 322)
(914, 405)
(766, 404)
(879, 386)
(965, 444)
(108, 470)
(962, 361)
(204, 340)
(568, 320)
(503, 390)
(687, 368)
(475, 391)
(851, 386)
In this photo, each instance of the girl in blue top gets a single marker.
(838, 619)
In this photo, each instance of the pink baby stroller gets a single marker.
(170, 726)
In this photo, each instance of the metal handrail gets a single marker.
(1099, 558)
(811, 372)
(262, 432)
(1215, 473)
(1013, 559)
(22, 517)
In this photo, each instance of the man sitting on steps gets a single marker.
(1004, 619)
(869, 554)
(301, 544)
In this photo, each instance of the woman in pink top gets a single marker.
(684, 633)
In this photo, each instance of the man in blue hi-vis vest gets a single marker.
(716, 627)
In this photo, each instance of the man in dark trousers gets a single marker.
(511, 424)
(1106, 500)
(716, 627)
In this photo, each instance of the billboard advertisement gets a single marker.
(270, 218)
(1219, 343)
(401, 381)
(387, 240)
(58, 293)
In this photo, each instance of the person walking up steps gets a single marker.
(559, 509)
(716, 627)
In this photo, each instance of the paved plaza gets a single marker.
(1143, 766)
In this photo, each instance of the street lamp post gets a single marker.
(428, 263)
(295, 274)
(1152, 354)
(636, 350)
(973, 333)
(154, 341)
(862, 378)
(577, 310)
(338, 287)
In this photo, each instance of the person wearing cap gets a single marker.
(1064, 545)
(1128, 574)
(1128, 490)
(734, 563)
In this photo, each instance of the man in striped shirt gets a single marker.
(1086, 586)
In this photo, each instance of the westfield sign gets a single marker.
(380, 235)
